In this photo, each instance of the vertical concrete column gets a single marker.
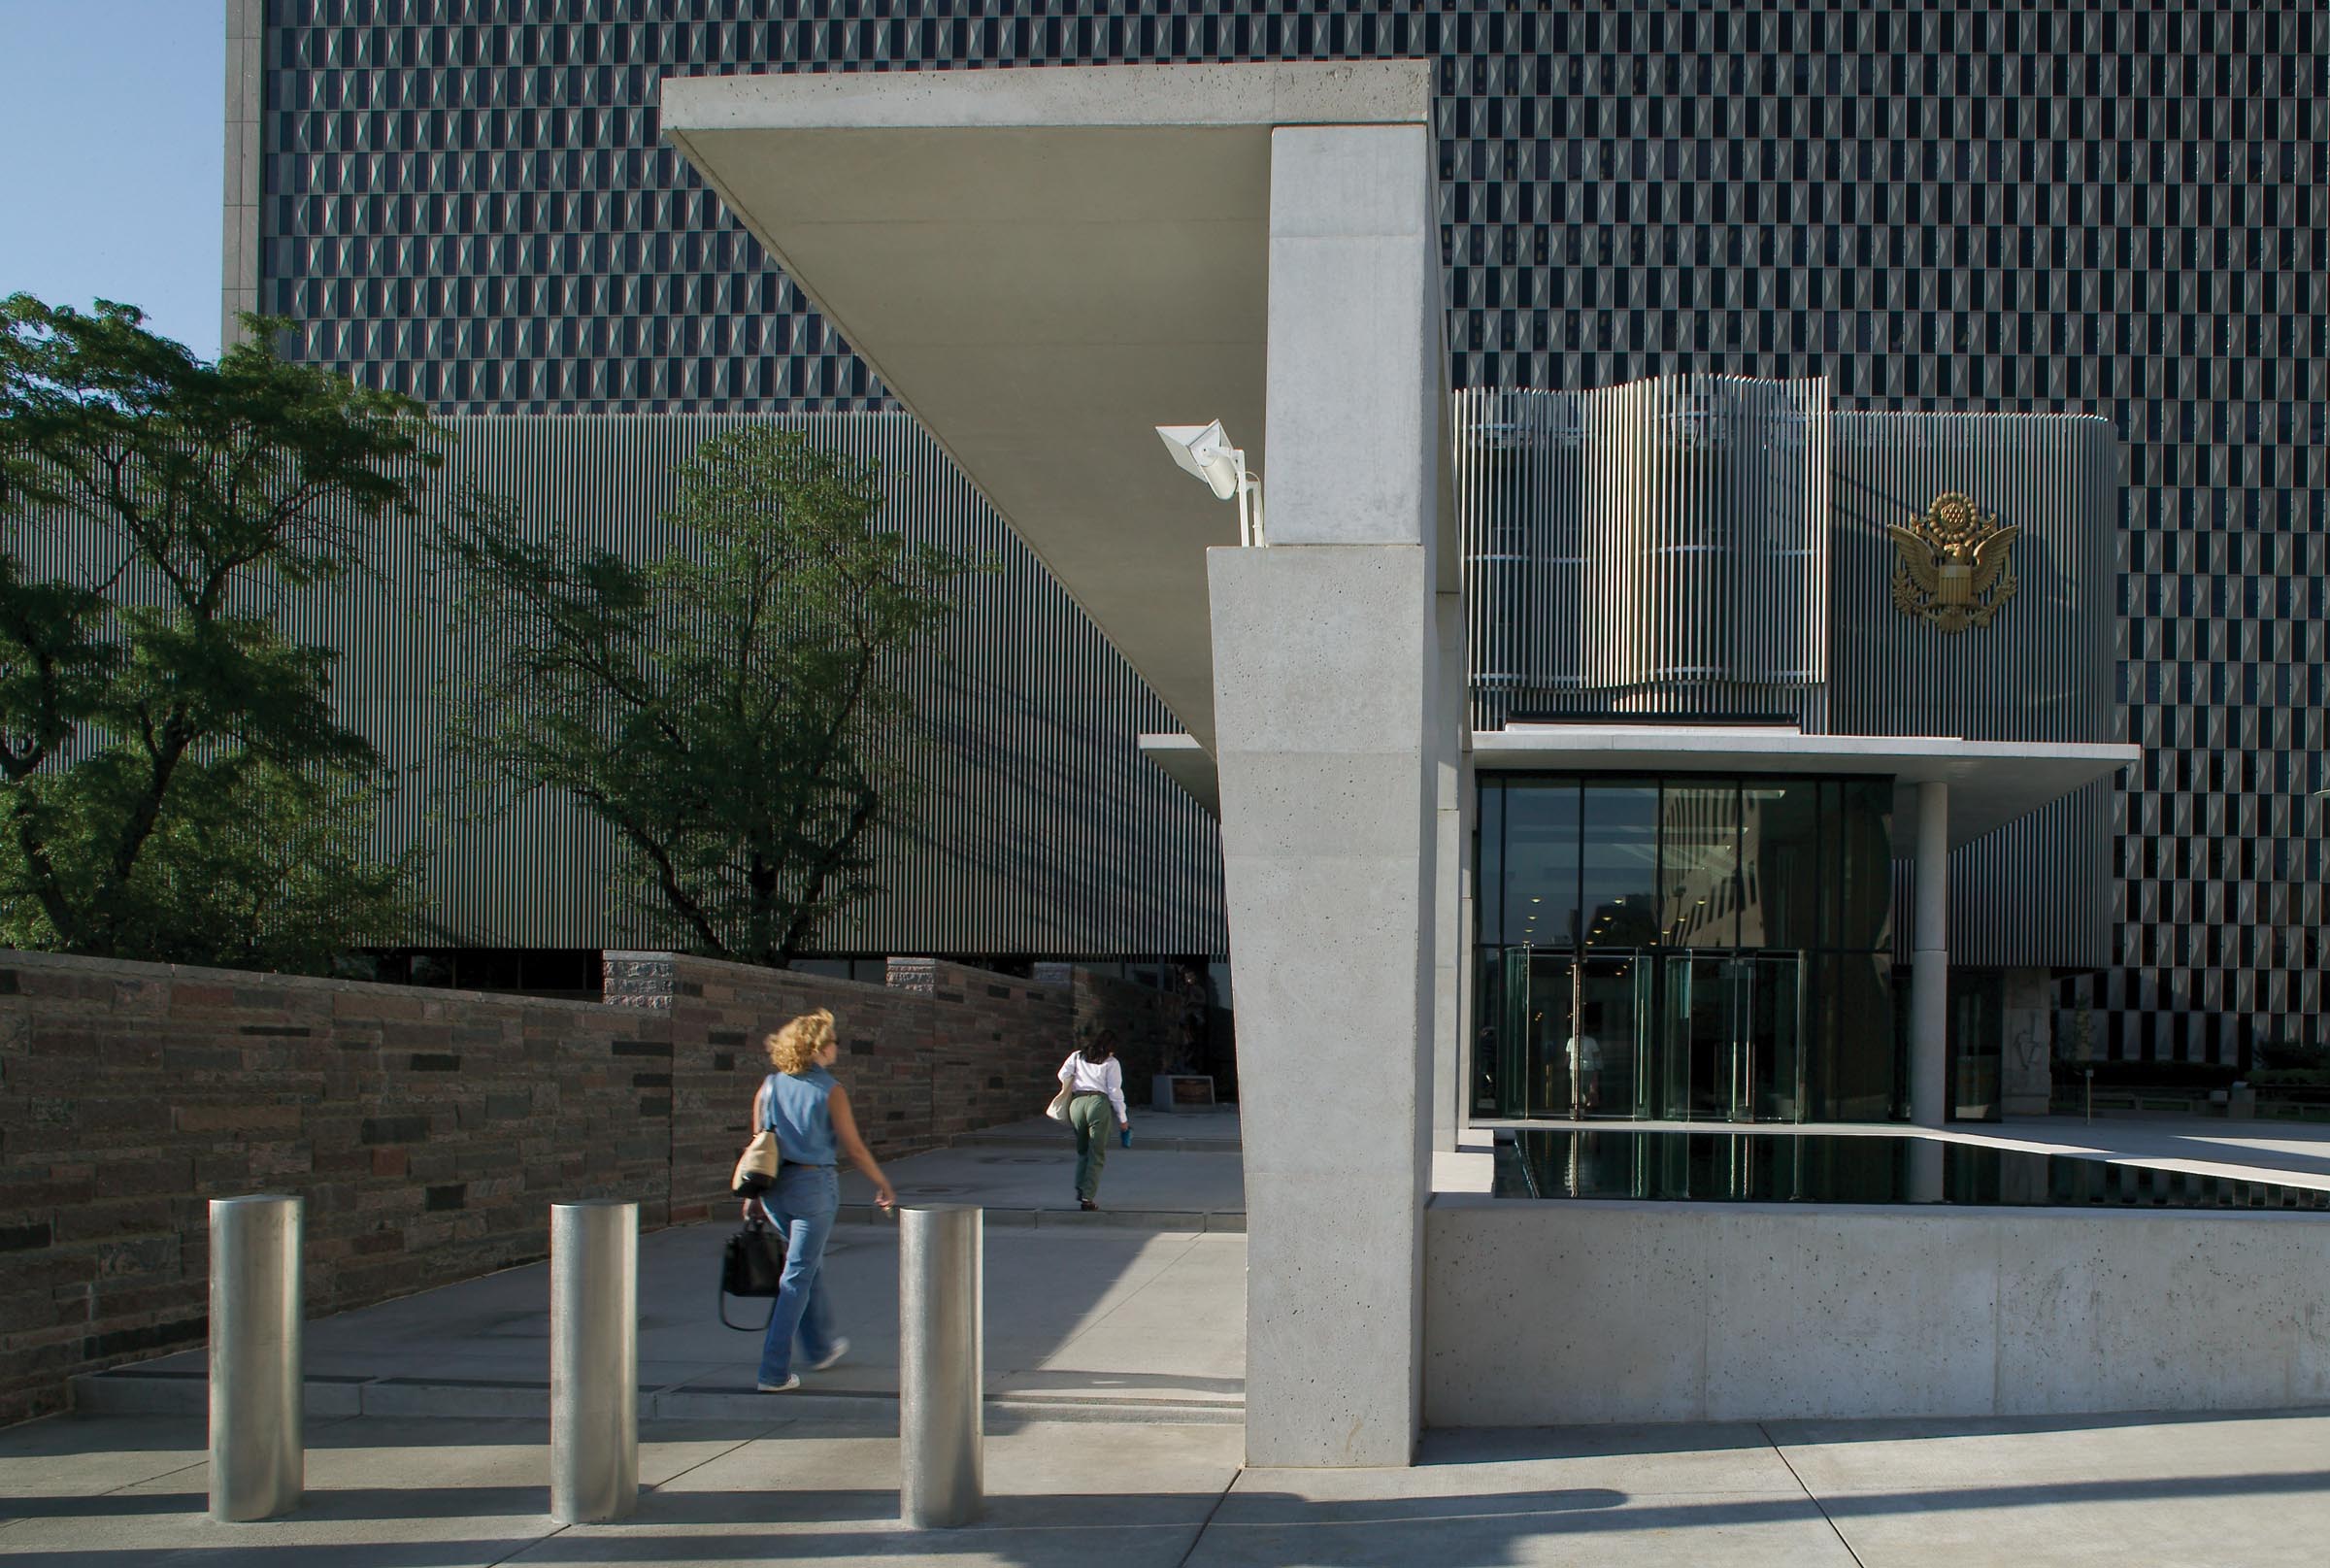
(1329, 738)
(1929, 963)
(1452, 1015)
(2027, 1069)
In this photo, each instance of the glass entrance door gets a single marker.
(1574, 1033)
(1608, 1037)
(1768, 1061)
(1729, 1039)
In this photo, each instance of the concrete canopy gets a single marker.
(1041, 266)
(1991, 782)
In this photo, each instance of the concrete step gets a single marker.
(140, 1391)
(1161, 1219)
(1163, 1143)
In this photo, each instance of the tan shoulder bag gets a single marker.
(756, 1167)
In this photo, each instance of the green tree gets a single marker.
(173, 782)
(735, 710)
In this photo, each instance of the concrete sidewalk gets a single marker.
(1181, 1132)
(1181, 1172)
(82, 1491)
(1131, 1315)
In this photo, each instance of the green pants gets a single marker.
(1095, 1119)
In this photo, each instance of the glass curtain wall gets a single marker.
(1687, 948)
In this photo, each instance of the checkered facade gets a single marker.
(2096, 205)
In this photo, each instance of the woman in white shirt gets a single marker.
(1095, 1080)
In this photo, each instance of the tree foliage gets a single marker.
(173, 782)
(735, 710)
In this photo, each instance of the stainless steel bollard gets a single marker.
(941, 1366)
(258, 1452)
(594, 1362)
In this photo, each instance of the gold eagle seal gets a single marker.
(1954, 568)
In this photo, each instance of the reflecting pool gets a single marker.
(1763, 1167)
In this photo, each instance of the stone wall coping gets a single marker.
(333, 985)
(118, 969)
(730, 966)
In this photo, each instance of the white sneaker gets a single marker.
(840, 1348)
(793, 1379)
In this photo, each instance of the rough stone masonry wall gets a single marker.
(941, 1049)
(429, 1130)
(1147, 1022)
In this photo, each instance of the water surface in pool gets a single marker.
(1767, 1167)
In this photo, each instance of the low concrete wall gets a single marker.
(429, 1130)
(1541, 1311)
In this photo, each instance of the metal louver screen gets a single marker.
(1669, 533)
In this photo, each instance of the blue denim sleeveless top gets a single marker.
(797, 1114)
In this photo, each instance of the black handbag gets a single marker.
(753, 1265)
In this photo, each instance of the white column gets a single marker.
(1929, 963)
(1453, 915)
(1331, 742)
(2027, 1079)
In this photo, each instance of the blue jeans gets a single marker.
(802, 1205)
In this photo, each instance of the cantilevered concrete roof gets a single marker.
(1991, 781)
(1044, 265)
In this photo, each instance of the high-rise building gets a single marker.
(2090, 207)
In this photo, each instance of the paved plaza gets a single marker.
(1137, 1312)
(1115, 1374)
(128, 1492)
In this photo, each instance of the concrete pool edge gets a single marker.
(1615, 1310)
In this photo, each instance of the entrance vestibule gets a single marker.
(1684, 948)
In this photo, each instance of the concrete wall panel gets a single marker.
(1811, 1307)
(2163, 1312)
(1520, 1320)
(1543, 1313)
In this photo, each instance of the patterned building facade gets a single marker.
(2099, 206)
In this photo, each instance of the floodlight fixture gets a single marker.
(1204, 451)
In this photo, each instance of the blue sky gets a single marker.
(111, 112)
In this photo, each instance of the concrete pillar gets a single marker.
(1929, 963)
(1453, 910)
(2026, 1069)
(1330, 738)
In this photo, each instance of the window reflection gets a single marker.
(1688, 946)
(1699, 864)
(1619, 894)
(1540, 865)
(1780, 863)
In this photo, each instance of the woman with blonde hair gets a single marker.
(810, 1114)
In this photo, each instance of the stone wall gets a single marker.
(429, 1130)
(1151, 1030)
(941, 1049)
